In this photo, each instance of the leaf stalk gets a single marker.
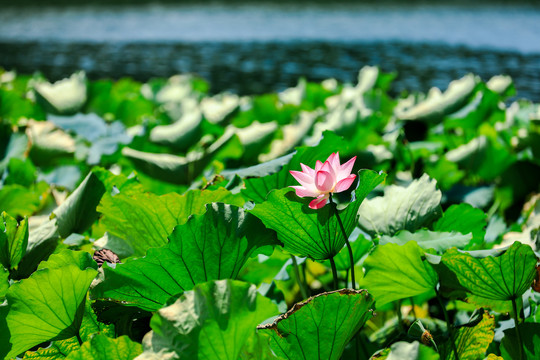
(349, 248)
(298, 278)
(518, 332)
(448, 325)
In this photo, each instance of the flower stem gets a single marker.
(349, 248)
(334, 273)
(518, 333)
(448, 325)
(298, 278)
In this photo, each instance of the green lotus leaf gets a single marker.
(49, 305)
(396, 272)
(4, 282)
(494, 281)
(101, 347)
(308, 232)
(144, 220)
(57, 350)
(21, 172)
(13, 240)
(215, 321)
(330, 319)
(18, 200)
(472, 341)
(440, 241)
(464, 219)
(211, 246)
(401, 208)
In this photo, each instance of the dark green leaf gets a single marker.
(464, 219)
(407, 351)
(531, 342)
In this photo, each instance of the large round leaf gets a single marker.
(320, 327)
(494, 281)
(401, 208)
(49, 305)
(213, 321)
(145, 220)
(398, 271)
(211, 246)
(308, 232)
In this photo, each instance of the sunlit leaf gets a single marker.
(401, 208)
(331, 319)
(176, 169)
(440, 241)
(398, 271)
(212, 321)
(211, 246)
(58, 350)
(472, 341)
(49, 305)
(145, 220)
(494, 281)
(66, 96)
(101, 347)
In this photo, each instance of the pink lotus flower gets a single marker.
(330, 177)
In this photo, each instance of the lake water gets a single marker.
(249, 48)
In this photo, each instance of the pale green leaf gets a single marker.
(426, 239)
(401, 208)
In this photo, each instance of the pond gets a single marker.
(248, 48)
